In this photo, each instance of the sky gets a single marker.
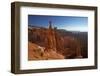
(70, 23)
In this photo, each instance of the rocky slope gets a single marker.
(37, 53)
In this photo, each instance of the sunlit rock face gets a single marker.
(50, 43)
(37, 53)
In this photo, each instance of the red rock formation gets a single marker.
(59, 41)
(36, 52)
(73, 48)
(50, 40)
(53, 43)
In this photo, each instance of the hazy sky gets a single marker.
(71, 23)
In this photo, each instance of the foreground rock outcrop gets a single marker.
(37, 53)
